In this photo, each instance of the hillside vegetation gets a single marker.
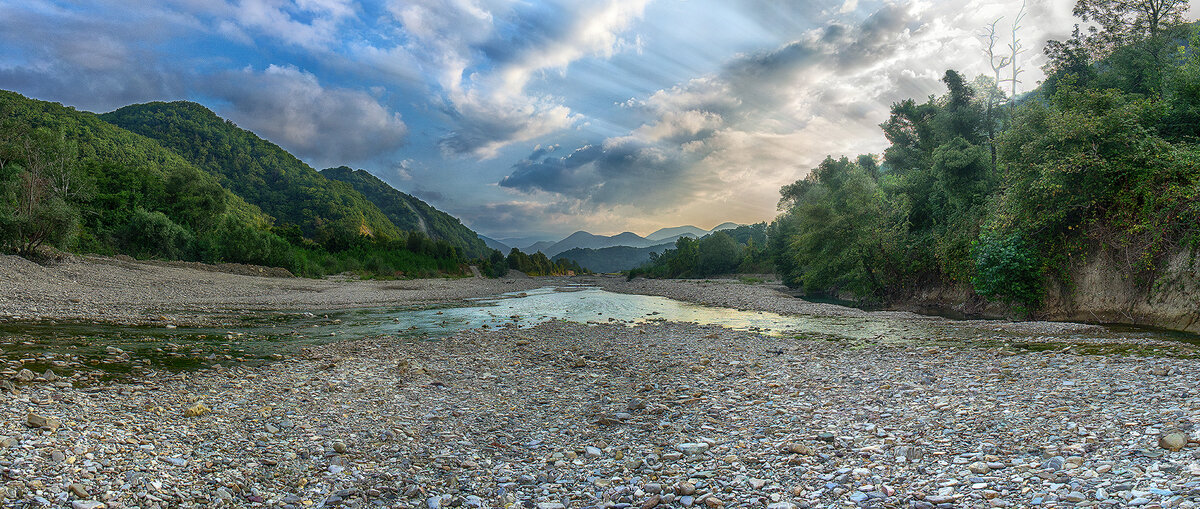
(188, 185)
(409, 213)
(1004, 198)
(614, 258)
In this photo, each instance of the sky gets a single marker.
(532, 118)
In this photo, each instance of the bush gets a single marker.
(154, 235)
(1008, 269)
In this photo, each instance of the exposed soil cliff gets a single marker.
(1103, 290)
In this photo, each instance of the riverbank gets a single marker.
(110, 290)
(571, 415)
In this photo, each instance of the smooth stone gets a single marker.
(979, 467)
(692, 448)
(1173, 441)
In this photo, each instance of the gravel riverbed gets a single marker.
(657, 415)
(577, 415)
(110, 290)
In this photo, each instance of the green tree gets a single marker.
(718, 254)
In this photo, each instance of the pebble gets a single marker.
(196, 410)
(78, 490)
(1173, 441)
(979, 467)
(769, 421)
(47, 423)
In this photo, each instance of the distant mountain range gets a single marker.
(612, 259)
(585, 240)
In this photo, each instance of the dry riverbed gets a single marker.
(572, 415)
(131, 292)
(577, 415)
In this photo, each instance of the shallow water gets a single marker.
(144, 349)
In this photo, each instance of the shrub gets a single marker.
(1008, 269)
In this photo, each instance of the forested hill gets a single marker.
(410, 213)
(257, 170)
(81, 181)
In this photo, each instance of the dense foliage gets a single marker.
(538, 264)
(739, 250)
(611, 259)
(331, 212)
(409, 213)
(69, 179)
(1106, 155)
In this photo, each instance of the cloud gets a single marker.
(719, 146)
(311, 24)
(291, 107)
(74, 56)
(482, 55)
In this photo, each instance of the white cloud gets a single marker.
(485, 94)
(730, 139)
(290, 107)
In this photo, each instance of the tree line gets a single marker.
(1001, 194)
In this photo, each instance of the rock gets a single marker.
(1173, 441)
(685, 488)
(692, 448)
(652, 488)
(58, 457)
(26, 376)
(592, 452)
(78, 490)
(1101, 493)
(653, 501)
(8, 442)
(635, 404)
(909, 453)
(196, 410)
(713, 503)
(1054, 464)
(826, 436)
(979, 467)
(87, 504)
(339, 447)
(47, 423)
(50, 375)
(799, 448)
(1074, 496)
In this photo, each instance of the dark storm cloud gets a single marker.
(290, 107)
